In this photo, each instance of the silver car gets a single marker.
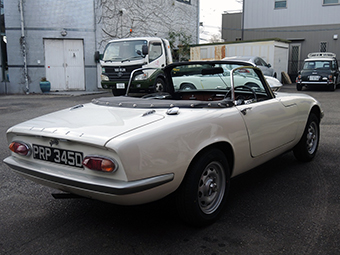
(265, 67)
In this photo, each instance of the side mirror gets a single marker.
(97, 56)
(145, 50)
(269, 65)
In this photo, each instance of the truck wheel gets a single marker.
(306, 149)
(203, 192)
(159, 85)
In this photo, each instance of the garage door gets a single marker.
(64, 64)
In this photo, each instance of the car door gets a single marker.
(270, 122)
(270, 125)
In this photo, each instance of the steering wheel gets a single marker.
(243, 87)
(252, 85)
(248, 88)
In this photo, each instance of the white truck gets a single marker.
(122, 56)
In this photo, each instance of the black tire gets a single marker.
(187, 86)
(298, 86)
(306, 149)
(332, 87)
(203, 192)
(159, 85)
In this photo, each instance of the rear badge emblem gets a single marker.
(54, 142)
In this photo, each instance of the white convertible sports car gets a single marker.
(187, 141)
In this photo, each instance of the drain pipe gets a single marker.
(23, 45)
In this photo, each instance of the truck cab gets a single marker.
(122, 56)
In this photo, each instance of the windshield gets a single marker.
(212, 77)
(317, 64)
(201, 81)
(124, 51)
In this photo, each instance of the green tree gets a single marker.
(180, 45)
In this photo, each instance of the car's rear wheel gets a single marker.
(203, 192)
(306, 149)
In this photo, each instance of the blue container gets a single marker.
(45, 86)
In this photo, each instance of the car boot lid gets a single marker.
(88, 123)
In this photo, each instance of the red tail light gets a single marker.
(20, 148)
(99, 163)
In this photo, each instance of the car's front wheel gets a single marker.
(187, 86)
(306, 149)
(332, 87)
(203, 192)
(159, 85)
(298, 87)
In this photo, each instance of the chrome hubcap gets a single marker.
(211, 187)
(159, 87)
(312, 138)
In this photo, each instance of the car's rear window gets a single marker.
(317, 64)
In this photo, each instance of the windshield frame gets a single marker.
(255, 73)
(134, 54)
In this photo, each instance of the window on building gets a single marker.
(295, 59)
(331, 1)
(204, 53)
(323, 47)
(281, 4)
(185, 1)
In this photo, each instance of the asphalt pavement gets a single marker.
(281, 207)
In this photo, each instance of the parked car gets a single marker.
(189, 142)
(319, 69)
(265, 67)
(199, 80)
(274, 83)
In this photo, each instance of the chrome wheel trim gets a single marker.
(312, 137)
(159, 87)
(211, 187)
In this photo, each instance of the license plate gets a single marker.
(120, 85)
(59, 156)
(314, 78)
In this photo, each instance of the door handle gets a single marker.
(244, 111)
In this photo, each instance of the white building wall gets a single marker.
(260, 14)
(85, 20)
(150, 18)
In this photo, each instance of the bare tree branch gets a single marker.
(145, 18)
